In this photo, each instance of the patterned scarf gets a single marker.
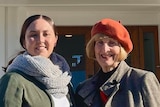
(44, 71)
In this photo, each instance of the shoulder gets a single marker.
(142, 76)
(14, 77)
(140, 72)
(133, 72)
(148, 83)
(12, 80)
(83, 84)
(19, 79)
(89, 83)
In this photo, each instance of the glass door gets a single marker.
(72, 48)
(71, 45)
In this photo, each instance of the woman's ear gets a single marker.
(56, 39)
(24, 46)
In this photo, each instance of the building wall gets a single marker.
(13, 15)
(2, 38)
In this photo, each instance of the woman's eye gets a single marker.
(112, 43)
(33, 35)
(99, 42)
(46, 34)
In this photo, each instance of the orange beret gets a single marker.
(115, 30)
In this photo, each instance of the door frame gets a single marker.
(154, 30)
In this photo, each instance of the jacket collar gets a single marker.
(118, 74)
(113, 83)
(110, 87)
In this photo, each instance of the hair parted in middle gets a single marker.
(31, 19)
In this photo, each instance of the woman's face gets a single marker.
(40, 38)
(106, 53)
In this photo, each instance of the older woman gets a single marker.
(116, 84)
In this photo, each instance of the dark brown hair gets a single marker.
(29, 20)
(25, 25)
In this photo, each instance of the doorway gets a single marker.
(71, 45)
(145, 54)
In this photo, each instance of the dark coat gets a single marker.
(127, 87)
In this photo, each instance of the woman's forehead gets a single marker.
(105, 37)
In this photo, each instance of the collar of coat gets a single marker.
(111, 86)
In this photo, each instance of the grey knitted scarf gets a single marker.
(44, 71)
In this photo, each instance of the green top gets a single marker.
(20, 90)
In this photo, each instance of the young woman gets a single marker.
(37, 77)
(116, 84)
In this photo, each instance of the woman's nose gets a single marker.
(106, 47)
(40, 38)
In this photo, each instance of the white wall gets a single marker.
(13, 15)
(88, 15)
(2, 38)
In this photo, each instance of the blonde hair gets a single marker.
(91, 44)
